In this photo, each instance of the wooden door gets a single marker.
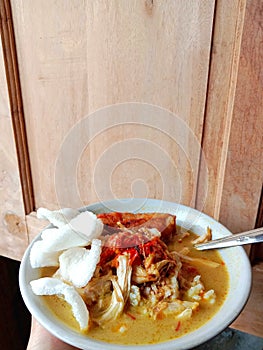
(137, 98)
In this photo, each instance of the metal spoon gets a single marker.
(248, 237)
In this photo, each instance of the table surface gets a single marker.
(251, 320)
(232, 339)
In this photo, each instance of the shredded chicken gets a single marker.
(197, 261)
(204, 238)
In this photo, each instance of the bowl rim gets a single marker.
(222, 319)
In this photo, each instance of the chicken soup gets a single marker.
(149, 283)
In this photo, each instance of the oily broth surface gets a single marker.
(133, 328)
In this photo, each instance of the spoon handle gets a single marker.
(248, 237)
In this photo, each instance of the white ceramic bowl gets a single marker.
(235, 259)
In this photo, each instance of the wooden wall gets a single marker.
(13, 232)
(100, 54)
(244, 168)
(141, 98)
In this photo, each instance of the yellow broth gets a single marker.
(134, 328)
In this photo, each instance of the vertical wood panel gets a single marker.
(84, 55)
(16, 104)
(13, 233)
(229, 18)
(244, 168)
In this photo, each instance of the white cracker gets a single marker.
(55, 240)
(39, 257)
(87, 225)
(57, 217)
(77, 265)
(54, 286)
(62, 238)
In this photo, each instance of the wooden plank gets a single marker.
(85, 55)
(244, 168)
(228, 25)
(16, 105)
(250, 319)
(13, 233)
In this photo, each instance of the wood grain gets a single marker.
(244, 168)
(13, 233)
(250, 319)
(227, 34)
(16, 104)
(86, 55)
